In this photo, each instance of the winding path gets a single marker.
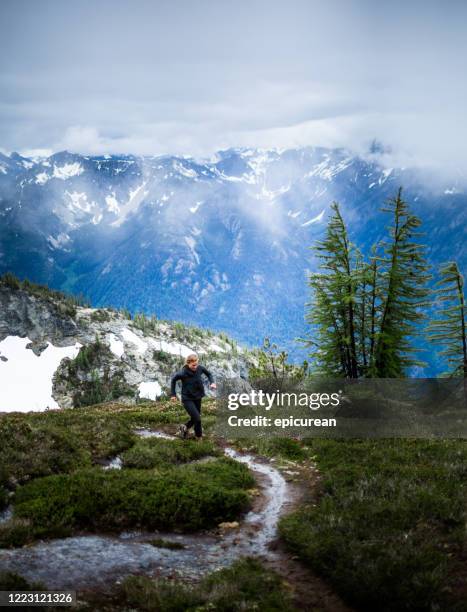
(93, 561)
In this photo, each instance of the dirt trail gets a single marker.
(96, 563)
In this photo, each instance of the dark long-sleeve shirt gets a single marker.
(192, 382)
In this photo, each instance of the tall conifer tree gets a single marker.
(332, 310)
(403, 292)
(450, 328)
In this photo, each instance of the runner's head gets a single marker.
(192, 361)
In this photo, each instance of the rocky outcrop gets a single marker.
(120, 359)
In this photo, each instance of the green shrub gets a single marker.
(153, 452)
(287, 448)
(100, 316)
(161, 543)
(175, 498)
(145, 324)
(15, 532)
(10, 280)
(40, 444)
(28, 451)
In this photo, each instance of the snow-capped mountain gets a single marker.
(222, 242)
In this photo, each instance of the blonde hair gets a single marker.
(191, 357)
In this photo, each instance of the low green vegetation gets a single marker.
(169, 544)
(172, 498)
(9, 581)
(49, 461)
(39, 444)
(15, 533)
(65, 303)
(89, 376)
(59, 441)
(246, 585)
(101, 315)
(152, 452)
(147, 324)
(3, 498)
(389, 528)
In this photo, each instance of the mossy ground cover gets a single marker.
(152, 452)
(246, 585)
(49, 461)
(389, 528)
(59, 441)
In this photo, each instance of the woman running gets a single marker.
(192, 393)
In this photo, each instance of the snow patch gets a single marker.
(173, 348)
(135, 197)
(150, 390)
(116, 345)
(112, 203)
(194, 208)
(26, 379)
(79, 201)
(67, 171)
(188, 172)
(42, 178)
(132, 338)
(191, 242)
(59, 241)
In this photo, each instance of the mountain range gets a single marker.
(222, 243)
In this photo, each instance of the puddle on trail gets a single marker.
(93, 561)
(6, 514)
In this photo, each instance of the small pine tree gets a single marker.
(450, 329)
(273, 363)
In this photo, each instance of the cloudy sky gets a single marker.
(192, 77)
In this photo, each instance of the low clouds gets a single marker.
(192, 78)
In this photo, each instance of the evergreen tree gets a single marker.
(402, 277)
(332, 311)
(450, 329)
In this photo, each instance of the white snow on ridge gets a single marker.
(316, 219)
(150, 390)
(3, 170)
(67, 171)
(42, 178)
(385, 175)
(327, 170)
(131, 338)
(79, 201)
(188, 172)
(135, 197)
(116, 345)
(26, 379)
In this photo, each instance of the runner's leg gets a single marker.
(195, 418)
